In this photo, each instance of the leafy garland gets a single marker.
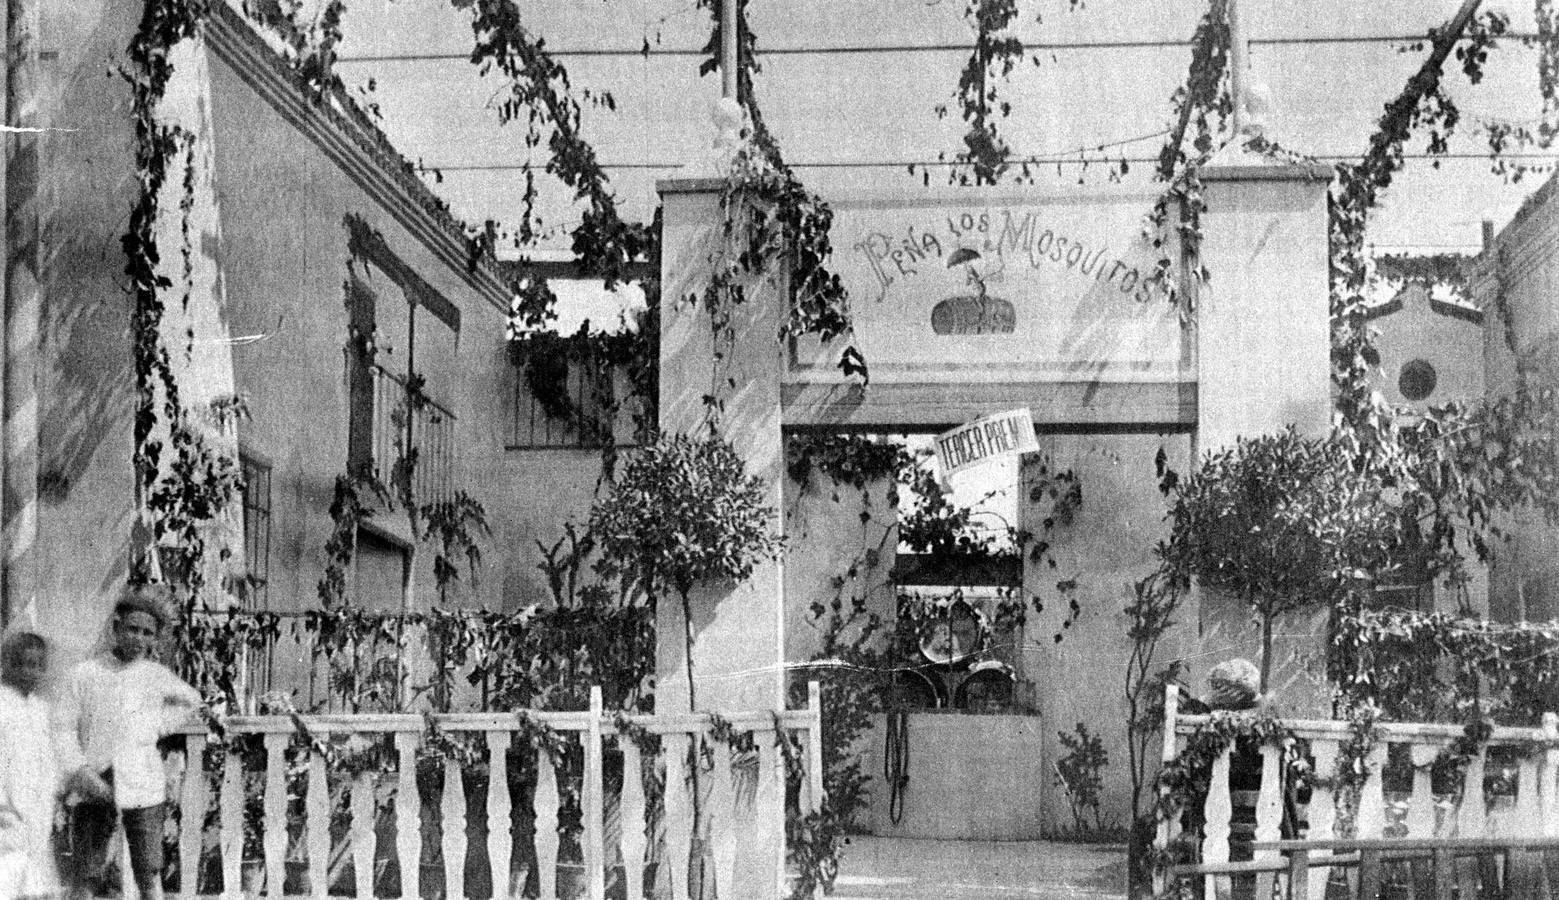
(1431, 667)
(769, 220)
(1174, 225)
(1422, 103)
(996, 54)
(1184, 781)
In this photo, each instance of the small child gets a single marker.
(114, 708)
(30, 781)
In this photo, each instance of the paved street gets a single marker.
(876, 868)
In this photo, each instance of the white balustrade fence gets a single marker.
(1527, 806)
(316, 830)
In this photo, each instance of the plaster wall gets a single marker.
(286, 258)
(1415, 330)
(971, 778)
(737, 630)
(77, 191)
(826, 540)
(1264, 347)
(1106, 548)
(269, 257)
(1517, 286)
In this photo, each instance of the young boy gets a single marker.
(113, 709)
(30, 779)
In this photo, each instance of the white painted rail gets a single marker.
(1530, 760)
(281, 822)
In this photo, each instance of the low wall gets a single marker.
(971, 777)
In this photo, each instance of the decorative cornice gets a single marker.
(355, 145)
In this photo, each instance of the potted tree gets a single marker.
(684, 513)
(1284, 524)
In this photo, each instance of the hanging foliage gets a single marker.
(996, 53)
(1174, 225)
(1422, 104)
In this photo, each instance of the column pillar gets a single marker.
(1263, 324)
(738, 630)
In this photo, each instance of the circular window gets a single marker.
(1417, 380)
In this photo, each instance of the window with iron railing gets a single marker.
(255, 590)
(582, 398)
(403, 422)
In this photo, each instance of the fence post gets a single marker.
(1161, 838)
(192, 815)
(815, 754)
(815, 745)
(1549, 780)
(231, 823)
(593, 802)
(498, 835)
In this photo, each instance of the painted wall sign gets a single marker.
(985, 439)
(1018, 287)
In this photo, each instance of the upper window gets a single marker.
(567, 402)
(1417, 379)
(416, 429)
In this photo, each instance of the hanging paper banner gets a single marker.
(986, 438)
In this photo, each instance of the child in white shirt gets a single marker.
(112, 711)
(30, 775)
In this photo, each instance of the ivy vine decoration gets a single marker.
(1422, 104)
(1174, 225)
(1420, 666)
(310, 45)
(770, 220)
(540, 96)
(996, 53)
(1183, 782)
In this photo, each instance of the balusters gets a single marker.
(1322, 812)
(275, 806)
(722, 819)
(1218, 811)
(546, 825)
(1166, 827)
(408, 827)
(592, 803)
(1371, 821)
(316, 821)
(815, 744)
(452, 812)
(679, 814)
(632, 805)
(192, 812)
(1472, 815)
(362, 833)
(1522, 867)
(499, 846)
(231, 816)
(1269, 811)
(1421, 810)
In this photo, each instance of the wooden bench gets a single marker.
(1502, 868)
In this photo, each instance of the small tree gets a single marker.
(1284, 523)
(684, 513)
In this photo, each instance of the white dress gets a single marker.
(30, 781)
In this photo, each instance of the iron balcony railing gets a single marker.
(403, 423)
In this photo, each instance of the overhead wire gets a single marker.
(1066, 158)
(958, 47)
